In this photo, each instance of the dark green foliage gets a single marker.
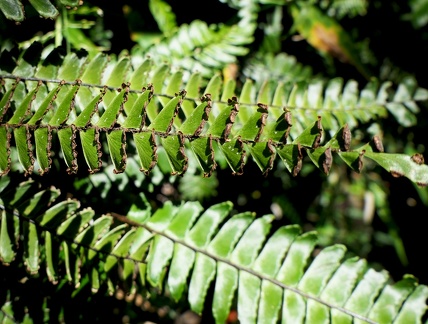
(133, 171)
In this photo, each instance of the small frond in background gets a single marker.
(418, 15)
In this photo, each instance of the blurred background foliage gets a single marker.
(377, 216)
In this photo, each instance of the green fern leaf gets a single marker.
(7, 238)
(165, 122)
(163, 15)
(188, 249)
(217, 47)
(12, 9)
(418, 14)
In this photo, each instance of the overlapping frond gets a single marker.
(201, 47)
(418, 13)
(280, 68)
(83, 103)
(341, 8)
(14, 9)
(271, 275)
(337, 8)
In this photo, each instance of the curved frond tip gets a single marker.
(273, 275)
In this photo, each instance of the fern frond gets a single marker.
(351, 8)
(139, 109)
(165, 18)
(418, 13)
(14, 9)
(336, 8)
(185, 250)
(200, 47)
(281, 68)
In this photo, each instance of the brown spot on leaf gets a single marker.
(327, 40)
(182, 152)
(29, 150)
(9, 160)
(182, 93)
(231, 120)
(418, 158)
(144, 116)
(212, 158)
(7, 105)
(99, 152)
(346, 136)
(124, 156)
(317, 140)
(328, 161)
(297, 168)
(272, 151)
(154, 154)
(378, 143)
(207, 110)
(396, 174)
(240, 171)
(262, 122)
(299, 163)
(48, 151)
(287, 117)
(360, 160)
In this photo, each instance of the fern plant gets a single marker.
(177, 107)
